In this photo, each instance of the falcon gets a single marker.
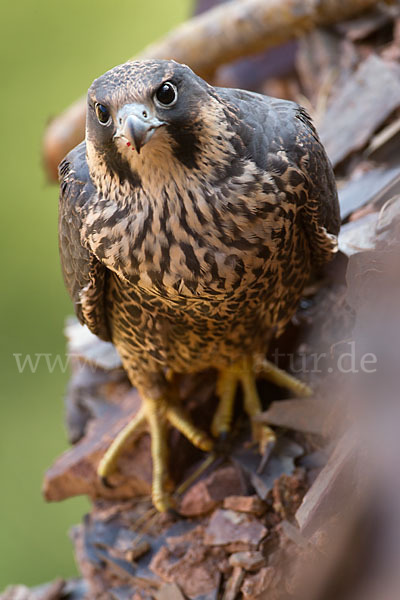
(190, 220)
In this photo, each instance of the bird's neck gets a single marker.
(159, 169)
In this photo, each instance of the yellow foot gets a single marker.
(245, 373)
(156, 413)
(266, 369)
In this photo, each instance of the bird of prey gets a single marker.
(190, 220)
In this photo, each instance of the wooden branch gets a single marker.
(228, 32)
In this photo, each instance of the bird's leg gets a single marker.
(159, 453)
(228, 379)
(178, 419)
(266, 369)
(157, 412)
(245, 372)
(226, 390)
(134, 428)
(263, 434)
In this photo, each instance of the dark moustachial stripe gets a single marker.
(118, 165)
(186, 146)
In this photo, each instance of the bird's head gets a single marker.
(150, 116)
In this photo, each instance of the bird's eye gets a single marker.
(167, 94)
(103, 114)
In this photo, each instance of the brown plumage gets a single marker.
(188, 228)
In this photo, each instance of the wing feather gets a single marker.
(84, 275)
(270, 128)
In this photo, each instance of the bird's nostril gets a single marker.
(120, 121)
(144, 113)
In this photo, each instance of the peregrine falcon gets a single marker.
(190, 220)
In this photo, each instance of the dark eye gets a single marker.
(103, 114)
(167, 94)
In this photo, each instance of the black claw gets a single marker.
(266, 456)
(106, 483)
(174, 513)
(224, 444)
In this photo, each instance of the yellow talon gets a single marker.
(108, 462)
(176, 416)
(162, 410)
(265, 368)
(226, 391)
(245, 373)
(159, 453)
(156, 413)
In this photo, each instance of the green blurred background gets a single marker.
(50, 53)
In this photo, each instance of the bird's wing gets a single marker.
(84, 275)
(277, 134)
(320, 216)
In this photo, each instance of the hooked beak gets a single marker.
(136, 124)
